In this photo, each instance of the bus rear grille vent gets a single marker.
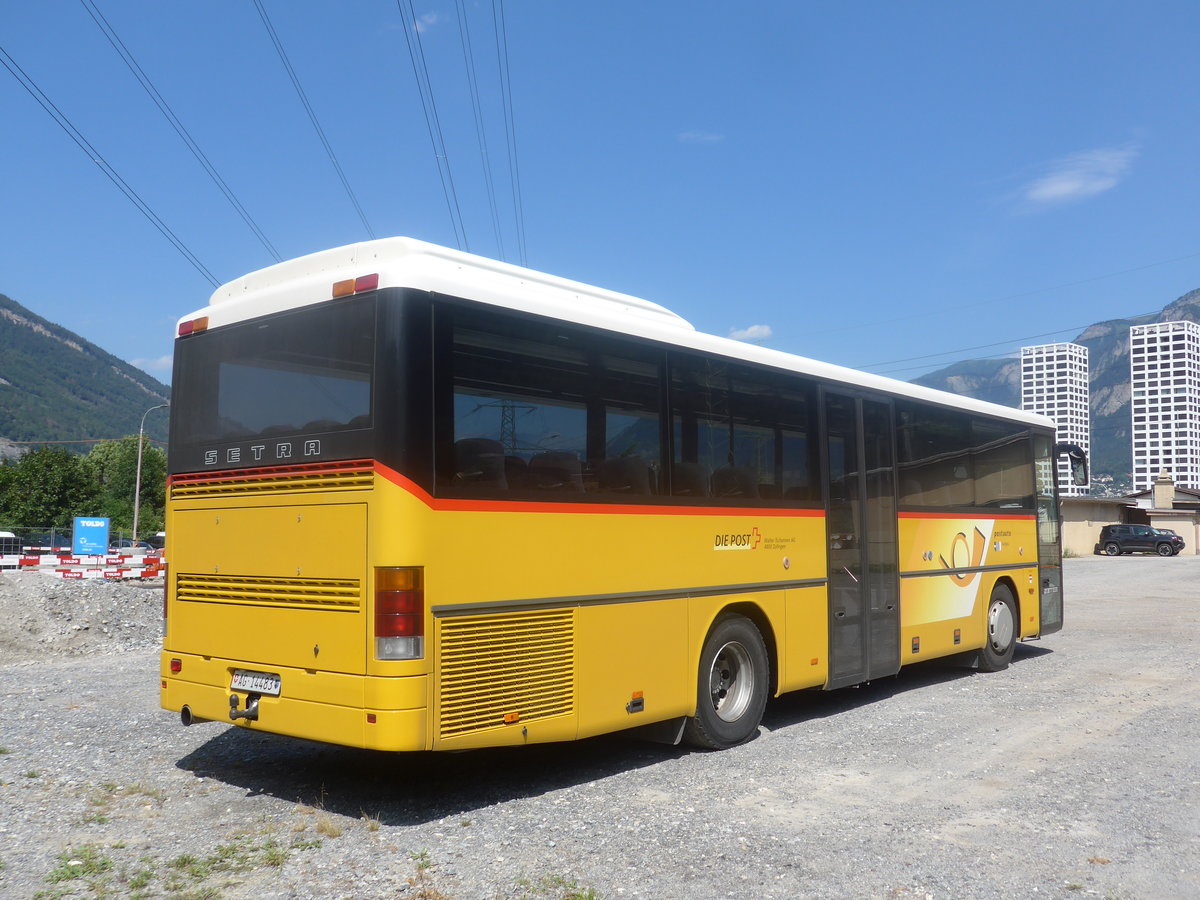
(515, 665)
(296, 593)
(271, 481)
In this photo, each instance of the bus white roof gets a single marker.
(409, 263)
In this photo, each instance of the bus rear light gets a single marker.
(176, 666)
(352, 286)
(400, 613)
(193, 326)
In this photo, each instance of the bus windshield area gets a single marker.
(302, 372)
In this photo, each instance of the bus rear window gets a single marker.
(302, 372)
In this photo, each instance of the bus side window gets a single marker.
(562, 411)
(745, 429)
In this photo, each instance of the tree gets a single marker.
(46, 488)
(113, 466)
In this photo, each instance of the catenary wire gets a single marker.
(416, 55)
(312, 116)
(66, 125)
(1015, 340)
(165, 108)
(510, 130)
(464, 34)
(1020, 295)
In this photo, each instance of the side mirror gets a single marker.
(1078, 460)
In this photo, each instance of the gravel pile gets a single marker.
(46, 615)
(1074, 773)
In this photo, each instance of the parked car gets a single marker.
(1118, 539)
(51, 543)
(129, 546)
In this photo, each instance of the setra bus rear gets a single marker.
(284, 610)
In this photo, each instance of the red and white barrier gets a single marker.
(64, 565)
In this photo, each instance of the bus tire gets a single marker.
(1001, 638)
(731, 685)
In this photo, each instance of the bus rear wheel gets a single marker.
(1001, 638)
(732, 684)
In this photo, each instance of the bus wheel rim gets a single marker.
(1000, 625)
(731, 681)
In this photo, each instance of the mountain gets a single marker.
(999, 380)
(56, 386)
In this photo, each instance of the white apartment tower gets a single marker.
(1054, 382)
(1164, 370)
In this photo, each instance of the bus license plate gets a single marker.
(255, 682)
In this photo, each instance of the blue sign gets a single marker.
(90, 537)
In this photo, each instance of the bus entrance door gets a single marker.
(860, 496)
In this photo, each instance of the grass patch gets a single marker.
(557, 887)
(79, 862)
(328, 827)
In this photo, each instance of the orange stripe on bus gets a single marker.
(541, 506)
(965, 515)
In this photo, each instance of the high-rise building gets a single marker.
(1164, 369)
(1054, 382)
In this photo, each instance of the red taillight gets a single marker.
(193, 326)
(400, 613)
(176, 666)
(352, 286)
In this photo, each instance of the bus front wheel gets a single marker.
(732, 684)
(1001, 638)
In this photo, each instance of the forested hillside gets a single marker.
(56, 386)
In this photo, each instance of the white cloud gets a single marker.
(753, 333)
(1079, 176)
(425, 22)
(699, 137)
(162, 364)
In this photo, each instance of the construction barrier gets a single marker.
(65, 565)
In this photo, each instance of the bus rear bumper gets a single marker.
(373, 713)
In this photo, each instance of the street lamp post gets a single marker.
(137, 481)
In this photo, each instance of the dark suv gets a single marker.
(1118, 539)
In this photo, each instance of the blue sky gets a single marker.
(882, 185)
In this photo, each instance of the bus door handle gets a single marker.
(851, 574)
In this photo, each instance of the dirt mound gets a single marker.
(44, 616)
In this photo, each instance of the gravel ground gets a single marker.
(1073, 773)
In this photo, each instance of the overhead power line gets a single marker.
(127, 57)
(510, 128)
(464, 35)
(1010, 342)
(416, 54)
(66, 125)
(312, 116)
(1019, 295)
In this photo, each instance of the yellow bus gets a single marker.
(423, 500)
